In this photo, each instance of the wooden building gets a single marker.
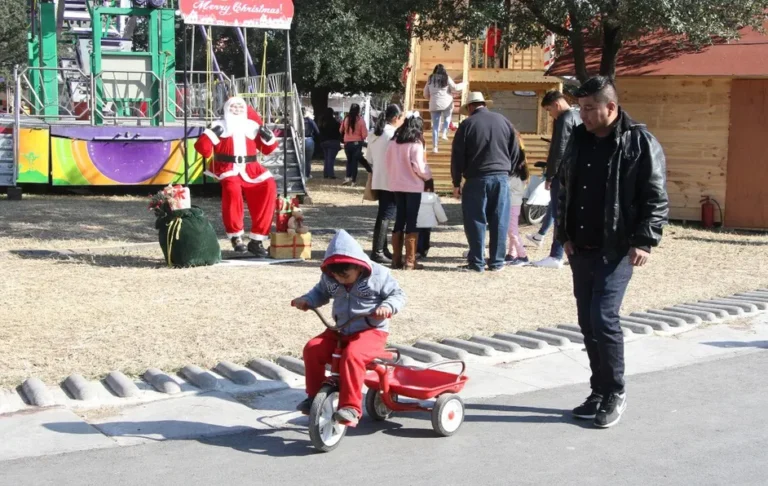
(516, 90)
(709, 110)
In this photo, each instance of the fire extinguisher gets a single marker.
(708, 212)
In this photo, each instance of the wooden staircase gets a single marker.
(458, 61)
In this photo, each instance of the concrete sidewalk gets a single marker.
(217, 413)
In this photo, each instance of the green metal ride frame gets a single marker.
(43, 57)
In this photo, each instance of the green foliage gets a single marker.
(13, 35)
(611, 22)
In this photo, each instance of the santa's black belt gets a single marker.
(234, 159)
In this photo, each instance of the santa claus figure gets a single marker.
(234, 142)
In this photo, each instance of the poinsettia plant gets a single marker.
(168, 199)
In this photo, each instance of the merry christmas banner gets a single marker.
(261, 14)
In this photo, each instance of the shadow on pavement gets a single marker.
(514, 414)
(271, 442)
(738, 344)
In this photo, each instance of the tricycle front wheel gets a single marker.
(325, 432)
(375, 406)
(448, 414)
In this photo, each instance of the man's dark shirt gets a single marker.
(587, 210)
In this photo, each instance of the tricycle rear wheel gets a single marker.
(325, 432)
(375, 406)
(448, 414)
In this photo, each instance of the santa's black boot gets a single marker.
(255, 247)
(238, 245)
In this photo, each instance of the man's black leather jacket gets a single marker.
(563, 127)
(636, 202)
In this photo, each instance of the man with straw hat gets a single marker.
(485, 151)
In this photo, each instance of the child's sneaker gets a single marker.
(536, 239)
(521, 262)
(305, 405)
(509, 259)
(346, 416)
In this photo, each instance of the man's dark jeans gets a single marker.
(485, 202)
(599, 286)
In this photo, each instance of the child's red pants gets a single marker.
(361, 349)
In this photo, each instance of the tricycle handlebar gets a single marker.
(337, 327)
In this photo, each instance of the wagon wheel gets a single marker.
(448, 414)
(324, 432)
(375, 406)
(534, 214)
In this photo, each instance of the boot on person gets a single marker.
(238, 245)
(411, 242)
(256, 248)
(397, 250)
(378, 254)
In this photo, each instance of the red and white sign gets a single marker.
(261, 14)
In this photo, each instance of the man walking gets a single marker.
(485, 149)
(566, 119)
(612, 207)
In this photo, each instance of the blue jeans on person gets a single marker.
(309, 151)
(556, 251)
(331, 149)
(354, 151)
(485, 202)
(446, 116)
(599, 286)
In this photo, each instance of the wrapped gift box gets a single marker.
(178, 197)
(284, 245)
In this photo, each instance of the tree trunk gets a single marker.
(319, 97)
(579, 55)
(611, 47)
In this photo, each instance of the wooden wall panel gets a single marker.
(690, 117)
(747, 201)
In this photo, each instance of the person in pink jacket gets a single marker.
(407, 172)
(355, 132)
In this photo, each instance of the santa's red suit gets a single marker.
(234, 142)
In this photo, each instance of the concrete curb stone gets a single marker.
(236, 373)
(702, 314)
(121, 384)
(656, 324)
(574, 337)
(162, 382)
(469, 346)
(293, 364)
(718, 313)
(526, 342)
(747, 307)
(729, 309)
(498, 344)
(548, 338)
(80, 388)
(199, 377)
(418, 354)
(442, 349)
(673, 321)
(636, 327)
(270, 370)
(37, 393)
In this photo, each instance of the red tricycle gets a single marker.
(387, 381)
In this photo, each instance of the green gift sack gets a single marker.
(187, 238)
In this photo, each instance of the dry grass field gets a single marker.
(105, 301)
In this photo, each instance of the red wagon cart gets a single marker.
(388, 382)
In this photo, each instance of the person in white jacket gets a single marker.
(439, 90)
(389, 120)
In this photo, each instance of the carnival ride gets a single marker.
(93, 108)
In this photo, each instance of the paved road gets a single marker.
(704, 424)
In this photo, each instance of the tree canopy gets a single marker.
(608, 23)
(13, 35)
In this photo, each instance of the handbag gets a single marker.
(370, 194)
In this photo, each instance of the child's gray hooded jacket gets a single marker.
(374, 288)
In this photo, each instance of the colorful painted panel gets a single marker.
(111, 163)
(34, 155)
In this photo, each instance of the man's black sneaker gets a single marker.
(305, 405)
(469, 268)
(238, 245)
(255, 247)
(589, 408)
(611, 410)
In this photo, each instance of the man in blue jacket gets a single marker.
(485, 149)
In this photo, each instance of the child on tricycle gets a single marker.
(358, 287)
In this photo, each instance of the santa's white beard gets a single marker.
(237, 127)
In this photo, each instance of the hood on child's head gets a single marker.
(345, 249)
